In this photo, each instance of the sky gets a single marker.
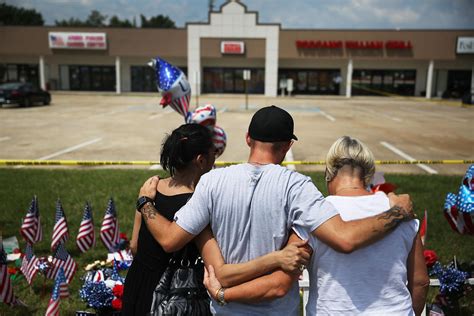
(312, 14)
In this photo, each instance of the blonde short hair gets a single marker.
(348, 151)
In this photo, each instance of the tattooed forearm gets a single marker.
(148, 211)
(394, 216)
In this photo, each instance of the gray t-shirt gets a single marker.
(251, 210)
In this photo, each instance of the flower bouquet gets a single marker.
(452, 284)
(102, 289)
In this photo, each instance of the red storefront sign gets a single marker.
(319, 44)
(302, 44)
(232, 48)
(83, 40)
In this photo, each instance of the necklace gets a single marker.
(258, 163)
(348, 188)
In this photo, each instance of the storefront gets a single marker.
(19, 72)
(383, 82)
(215, 56)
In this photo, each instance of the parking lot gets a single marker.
(86, 126)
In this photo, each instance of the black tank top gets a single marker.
(149, 251)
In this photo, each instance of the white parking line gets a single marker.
(289, 158)
(2, 139)
(329, 117)
(407, 157)
(70, 149)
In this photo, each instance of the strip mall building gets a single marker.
(215, 55)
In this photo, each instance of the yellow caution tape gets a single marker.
(16, 162)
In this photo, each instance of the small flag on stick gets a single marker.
(60, 230)
(86, 236)
(59, 291)
(62, 259)
(6, 290)
(109, 232)
(29, 264)
(31, 226)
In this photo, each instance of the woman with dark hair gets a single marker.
(187, 154)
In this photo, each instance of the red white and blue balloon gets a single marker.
(173, 86)
(220, 140)
(204, 115)
(459, 210)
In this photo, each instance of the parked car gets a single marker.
(23, 94)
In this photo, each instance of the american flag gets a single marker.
(60, 231)
(6, 290)
(109, 232)
(63, 288)
(31, 227)
(62, 259)
(29, 264)
(56, 41)
(86, 236)
(53, 305)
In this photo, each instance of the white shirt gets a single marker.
(369, 281)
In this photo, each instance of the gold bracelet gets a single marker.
(217, 293)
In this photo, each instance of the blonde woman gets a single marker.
(388, 277)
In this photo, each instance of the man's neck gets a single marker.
(263, 158)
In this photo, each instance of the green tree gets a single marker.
(116, 22)
(70, 22)
(159, 21)
(11, 15)
(95, 19)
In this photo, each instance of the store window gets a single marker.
(231, 80)
(383, 82)
(312, 81)
(90, 78)
(459, 83)
(19, 72)
(143, 78)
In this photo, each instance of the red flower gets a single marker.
(12, 270)
(117, 304)
(118, 290)
(430, 257)
(123, 236)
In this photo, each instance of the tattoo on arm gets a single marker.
(393, 217)
(148, 212)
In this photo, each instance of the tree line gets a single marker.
(11, 15)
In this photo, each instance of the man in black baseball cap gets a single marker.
(272, 124)
(270, 135)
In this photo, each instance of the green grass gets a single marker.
(76, 186)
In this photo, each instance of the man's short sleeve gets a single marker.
(308, 208)
(195, 215)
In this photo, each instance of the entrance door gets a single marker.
(231, 80)
(459, 83)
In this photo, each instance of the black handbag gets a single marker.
(180, 290)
